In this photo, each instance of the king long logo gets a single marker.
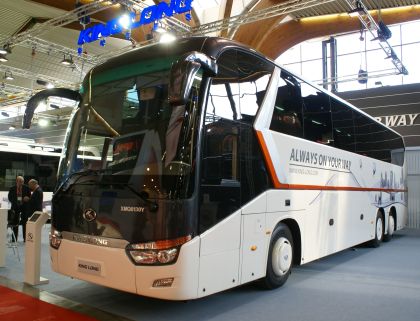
(89, 215)
(148, 15)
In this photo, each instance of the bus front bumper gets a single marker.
(111, 267)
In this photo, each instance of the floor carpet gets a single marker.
(16, 306)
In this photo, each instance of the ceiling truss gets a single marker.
(370, 25)
(31, 37)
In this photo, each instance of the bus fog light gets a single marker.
(163, 283)
(144, 257)
(167, 256)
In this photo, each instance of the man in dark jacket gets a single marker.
(34, 202)
(18, 195)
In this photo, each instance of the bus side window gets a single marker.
(343, 125)
(317, 115)
(287, 113)
(220, 179)
(229, 159)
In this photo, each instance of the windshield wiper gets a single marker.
(79, 174)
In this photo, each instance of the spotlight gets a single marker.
(44, 83)
(358, 10)
(8, 75)
(167, 37)
(3, 113)
(54, 106)
(43, 122)
(67, 60)
(126, 19)
(5, 50)
(159, 28)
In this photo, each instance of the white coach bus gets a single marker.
(218, 168)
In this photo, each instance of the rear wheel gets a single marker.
(391, 228)
(379, 231)
(280, 258)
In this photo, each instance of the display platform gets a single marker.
(17, 306)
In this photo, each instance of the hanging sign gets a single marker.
(148, 15)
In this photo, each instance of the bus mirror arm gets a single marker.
(42, 96)
(182, 75)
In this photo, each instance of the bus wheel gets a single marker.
(379, 231)
(391, 228)
(280, 258)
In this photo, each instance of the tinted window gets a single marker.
(237, 92)
(317, 115)
(375, 140)
(387, 142)
(343, 125)
(233, 169)
(254, 176)
(287, 113)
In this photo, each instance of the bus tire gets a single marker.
(379, 231)
(391, 228)
(280, 258)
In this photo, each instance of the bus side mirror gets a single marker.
(42, 96)
(182, 75)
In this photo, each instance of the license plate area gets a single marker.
(89, 267)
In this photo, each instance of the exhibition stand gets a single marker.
(3, 236)
(33, 248)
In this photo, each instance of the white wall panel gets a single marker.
(412, 159)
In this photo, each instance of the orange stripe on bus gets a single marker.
(279, 185)
(344, 188)
(269, 162)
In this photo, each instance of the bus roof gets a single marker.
(211, 46)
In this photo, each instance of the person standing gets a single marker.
(34, 203)
(19, 195)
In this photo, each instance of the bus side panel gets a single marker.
(254, 239)
(338, 220)
(334, 187)
(219, 256)
(402, 216)
(282, 205)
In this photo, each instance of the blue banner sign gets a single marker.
(148, 15)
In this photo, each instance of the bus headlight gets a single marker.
(55, 238)
(156, 253)
(154, 257)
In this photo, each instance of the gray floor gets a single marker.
(357, 284)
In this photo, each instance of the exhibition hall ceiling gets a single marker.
(41, 34)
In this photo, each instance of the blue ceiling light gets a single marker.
(130, 20)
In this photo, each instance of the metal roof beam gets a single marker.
(73, 15)
(273, 11)
(176, 24)
(34, 76)
(47, 47)
(370, 24)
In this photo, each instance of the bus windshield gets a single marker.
(126, 130)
